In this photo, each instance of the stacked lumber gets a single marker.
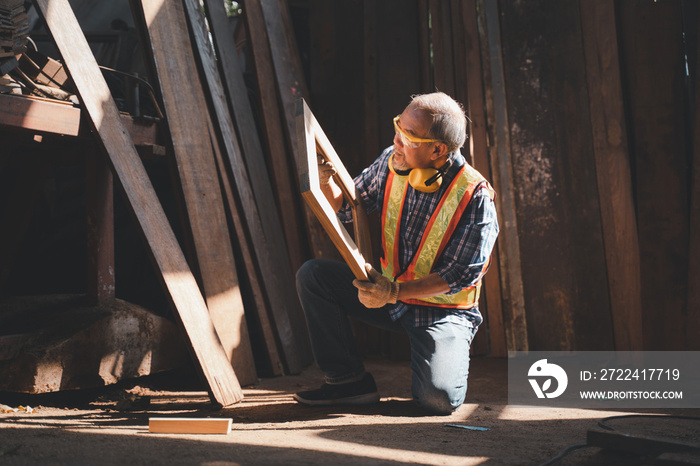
(14, 28)
(239, 214)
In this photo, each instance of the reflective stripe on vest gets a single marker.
(439, 229)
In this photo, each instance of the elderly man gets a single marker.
(439, 226)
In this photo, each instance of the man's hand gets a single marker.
(325, 170)
(378, 292)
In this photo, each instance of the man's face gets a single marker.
(415, 123)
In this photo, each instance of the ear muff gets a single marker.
(426, 180)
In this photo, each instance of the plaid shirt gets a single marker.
(462, 261)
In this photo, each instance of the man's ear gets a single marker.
(439, 150)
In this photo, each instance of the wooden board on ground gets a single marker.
(185, 109)
(184, 425)
(167, 255)
(312, 141)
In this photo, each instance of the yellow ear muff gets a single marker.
(426, 180)
(418, 177)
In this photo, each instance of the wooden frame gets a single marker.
(313, 142)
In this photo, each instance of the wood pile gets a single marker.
(235, 177)
(14, 28)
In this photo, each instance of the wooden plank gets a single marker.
(258, 201)
(291, 86)
(39, 114)
(253, 273)
(559, 225)
(613, 172)
(283, 182)
(177, 278)
(651, 39)
(310, 136)
(185, 109)
(229, 151)
(187, 425)
(479, 154)
(99, 192)
(502, 172)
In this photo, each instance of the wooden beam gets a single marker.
(178, 280)
(38, 114)
(252, 180)
(502, 171)
(185, 109)
(613, 172)
(99, 191)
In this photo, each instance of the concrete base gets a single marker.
(52, 343)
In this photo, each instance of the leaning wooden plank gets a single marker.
(224, 142)
(291, 85)
(271, 127)
(613, 171)
(254, 191)
(502, 170)
(309, 136)
(478, 146)
(185, 109)
(178, 280)
(185, 425)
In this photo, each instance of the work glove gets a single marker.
(325, 170)
(377, 292)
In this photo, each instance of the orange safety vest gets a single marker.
(439, 229)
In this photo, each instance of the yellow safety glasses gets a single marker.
(408, 140)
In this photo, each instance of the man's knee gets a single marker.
(439, 400)
(306, 271)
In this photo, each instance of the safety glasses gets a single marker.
(408, 140)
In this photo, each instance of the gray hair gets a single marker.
(449, 121)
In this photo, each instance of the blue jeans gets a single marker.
(439, 352)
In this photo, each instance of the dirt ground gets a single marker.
(109, 426)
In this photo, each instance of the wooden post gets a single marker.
(100, 226)
(178, 280)
(613, 171)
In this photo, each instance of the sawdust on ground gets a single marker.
(109, 426)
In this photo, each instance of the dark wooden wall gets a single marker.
(584, 120)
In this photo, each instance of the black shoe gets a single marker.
(362, 392)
